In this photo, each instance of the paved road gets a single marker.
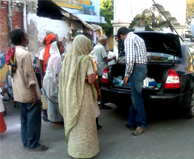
(166, 138)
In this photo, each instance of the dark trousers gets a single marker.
(100, 81)
(137, 114)
(30, 124)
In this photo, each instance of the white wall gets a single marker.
(59, 27)
(126, 10)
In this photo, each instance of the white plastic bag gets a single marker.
(147, 80)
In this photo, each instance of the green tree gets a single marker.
(150, 18)
(189, 11)
(106, 10)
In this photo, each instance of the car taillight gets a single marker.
(105, 76)
(173, 80)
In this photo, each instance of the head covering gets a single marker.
(72, 81)
(122, 31)
(54, 63)
(54, 49)
(48, 40)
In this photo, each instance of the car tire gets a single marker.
(189, 111)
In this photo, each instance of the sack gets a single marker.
(11, 59)
(13, 68)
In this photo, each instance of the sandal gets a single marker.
(40, 148)
(59, 125)
(44, 118)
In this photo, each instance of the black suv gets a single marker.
(170, 78)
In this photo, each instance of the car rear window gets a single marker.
(161, 57)
(156, 57)
(162, 43)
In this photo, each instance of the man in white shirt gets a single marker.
(135, 72)
(101, 56)
(115, 51)
(102, 59)
(26, 92)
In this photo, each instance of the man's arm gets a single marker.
(34, 95)
(41, 57)
(104, 56)
(130, 58)
(109, 59)
(29, 77)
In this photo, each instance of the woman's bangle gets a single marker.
(98, 91)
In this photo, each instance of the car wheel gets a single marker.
(189, 112)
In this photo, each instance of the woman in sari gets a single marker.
(77, 96)
(50, 83)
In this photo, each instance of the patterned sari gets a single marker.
(76, 100)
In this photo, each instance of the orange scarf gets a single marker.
(48, 40)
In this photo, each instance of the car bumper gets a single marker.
(115, 95)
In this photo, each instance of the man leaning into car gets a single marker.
(135, 72)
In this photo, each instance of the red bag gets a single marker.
(10, 57)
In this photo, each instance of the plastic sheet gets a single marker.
(118, 81)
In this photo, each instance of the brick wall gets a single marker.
(17, 23)
(17, 17)
(4, 29)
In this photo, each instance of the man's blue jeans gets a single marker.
(30, 124)
(137, 115)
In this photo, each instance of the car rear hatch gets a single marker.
(163, 52)
(160, 42)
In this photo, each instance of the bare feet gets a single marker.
(59, 125)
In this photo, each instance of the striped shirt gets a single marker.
(135, 52)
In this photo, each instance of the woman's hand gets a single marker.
(95, 73)
(99, 96)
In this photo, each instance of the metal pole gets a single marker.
(167, 20)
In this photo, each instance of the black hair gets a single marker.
(78, 33)
(88, 35)
(122, 31)
(16, 36)
(59, 43)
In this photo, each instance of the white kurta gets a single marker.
(50, 84)
(2, 107)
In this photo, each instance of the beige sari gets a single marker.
(76, 100)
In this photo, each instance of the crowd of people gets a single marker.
(71, 88)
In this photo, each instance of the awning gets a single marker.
(94, 27)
